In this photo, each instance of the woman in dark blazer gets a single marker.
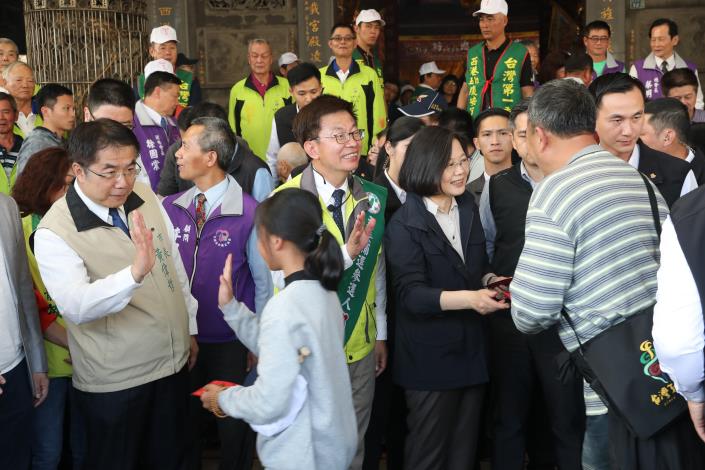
(391, 157)
(437, 262)
(389, 409)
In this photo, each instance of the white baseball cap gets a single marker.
(430, 67)
(162, 34)
(159, 65)
(492, 7)
(368, 16)
(287, 58)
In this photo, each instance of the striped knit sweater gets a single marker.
(591, 248)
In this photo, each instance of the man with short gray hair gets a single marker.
(212, 220)
(591, 233)
(255, 98)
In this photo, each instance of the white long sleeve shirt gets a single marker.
(678, 319)
(66, 278)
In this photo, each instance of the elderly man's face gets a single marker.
(8, 116)
(20, 83)
(8, 54)
(260, 58)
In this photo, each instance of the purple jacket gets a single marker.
(154, 142)
(650, 75)
(612, 65)
(226, 231)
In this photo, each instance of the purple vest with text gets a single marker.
(154, 142)
(204, 256)
(651, 78)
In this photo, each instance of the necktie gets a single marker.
(337, 210)
(200, 211)
(664, 67)
(117, 221)
(165, 124)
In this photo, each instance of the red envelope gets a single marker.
(221, 383)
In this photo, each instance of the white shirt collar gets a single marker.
(401, 194)
(155, 116)
(670, 62)
(101, 211)
(214, 195)
(342, 75)
(634, 159)
(691, 156)
(325, 189)
(486, 176)
(433, 208)
(525, 174)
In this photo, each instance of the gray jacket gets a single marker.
(12, 245)
(302, 317)
(39, 139)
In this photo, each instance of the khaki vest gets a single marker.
(149, 338)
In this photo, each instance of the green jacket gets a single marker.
(38, 121)
(357, 56)
(250, 115)
(364, 335)
(363, 89)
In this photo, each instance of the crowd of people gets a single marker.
(338, 270)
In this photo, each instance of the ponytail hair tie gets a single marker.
(321, 229)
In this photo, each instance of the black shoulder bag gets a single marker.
(621, 366)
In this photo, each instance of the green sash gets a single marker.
(353, 286)
(186, 78)
(505, 78)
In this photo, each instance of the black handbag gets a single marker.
(621, 366)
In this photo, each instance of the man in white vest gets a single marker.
(107, 256)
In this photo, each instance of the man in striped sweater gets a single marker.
(591, 249)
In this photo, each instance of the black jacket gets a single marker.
(393, 202)
(242, 166)
(667, 173)
(698, 165)
(435, 349)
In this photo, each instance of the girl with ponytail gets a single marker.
(301, 402)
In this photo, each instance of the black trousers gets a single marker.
(443, 428)
(522, 367)
(677, 447)
(220, 361)
(142, 427)
(387, 428)
(16, 419)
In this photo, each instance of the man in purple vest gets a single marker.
(663, 38)
(212, 220)
(152, 124)
(596, 38)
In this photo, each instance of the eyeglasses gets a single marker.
(342, 38)
(463, 163)
(598, 39)
(344, 138)
(128, 174)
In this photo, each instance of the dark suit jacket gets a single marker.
(435, 349)
(667, 173)
(475, 187)
(393, 202)
(13, 247)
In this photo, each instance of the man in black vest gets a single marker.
(678, 315)
(666, 129)
(250, 172)
(304, 86)
(523, 366)
(620, 117)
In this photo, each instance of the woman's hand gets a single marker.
(484, 301)
(225, 291)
